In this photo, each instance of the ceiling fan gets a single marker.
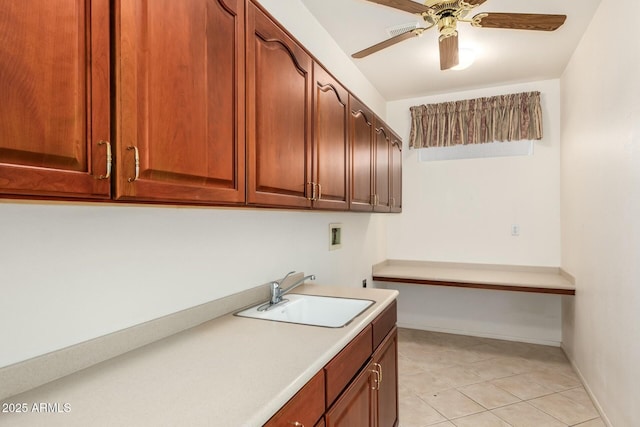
(445, 14)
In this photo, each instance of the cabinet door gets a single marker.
(356, 406)
(396, 174)
(278, 115)
(180, 100)
(360, 139)
(330, 141)
(387, 395)
(382, 144)
(54, 113)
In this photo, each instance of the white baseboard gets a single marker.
(595, 401)
(478, 334)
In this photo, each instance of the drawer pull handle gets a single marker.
(136, 154)
(109, 160)
(296, 423)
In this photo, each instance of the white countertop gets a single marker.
(541, 278)
(230, 371)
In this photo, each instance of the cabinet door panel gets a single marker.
(330, 155)
(387, 357)
(181, 100)
(278, 115)
(360, 138)
(382, 145)
(356, 406)
(54, 80)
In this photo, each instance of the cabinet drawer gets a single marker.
(305, 408)
(383, 324)
(342, 368)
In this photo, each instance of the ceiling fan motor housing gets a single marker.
(447, 26)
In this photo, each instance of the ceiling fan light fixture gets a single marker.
(467, 57)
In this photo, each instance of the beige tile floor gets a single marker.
(460, 381)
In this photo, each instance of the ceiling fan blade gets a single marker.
(406, 5)
(519, 21)
(448, 51)
(389, 42)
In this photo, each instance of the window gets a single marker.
(476, 151)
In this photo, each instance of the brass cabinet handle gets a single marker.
(379, 368)
(296, 423)
(315, 195)
(376, 381)
(313, 191)
(136, 154)
(109, 160)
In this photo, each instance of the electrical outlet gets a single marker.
(515, 229)
(364, 283)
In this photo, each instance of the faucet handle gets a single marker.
(275, 292)
(285, 276)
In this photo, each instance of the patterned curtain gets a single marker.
(476, 121)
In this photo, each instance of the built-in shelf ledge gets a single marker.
(545, 280)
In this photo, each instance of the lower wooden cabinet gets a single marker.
(305, 408)
(358, 387)
(372, 398)
(356, 406)
(386, 395)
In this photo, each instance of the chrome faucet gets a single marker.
(277, 292)
(276, 295)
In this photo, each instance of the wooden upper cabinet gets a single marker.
(279, 89)
(180, 100)
(382, 177)
(330, 141)
(360, 139)
(396, 173)
(54, 112)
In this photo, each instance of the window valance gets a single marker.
(475, 121)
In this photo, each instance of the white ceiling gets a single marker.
(411, 68)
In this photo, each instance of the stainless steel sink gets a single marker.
(314, 310)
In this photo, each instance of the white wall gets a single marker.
(462, 211)
(69, 273)
(601, 209)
